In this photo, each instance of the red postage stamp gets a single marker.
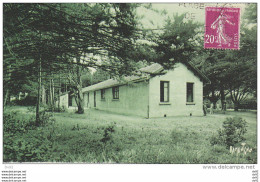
(222, 28)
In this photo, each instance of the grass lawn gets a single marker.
(102, 137)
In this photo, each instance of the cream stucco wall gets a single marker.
(74, 104)
(177, 105)
(133, 99)
(64, 101)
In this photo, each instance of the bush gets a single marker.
(232, 132)
(23, 141)
(108, 133)
(54, 108)
(27, 148)
(13, 124)
(46, 118)
(248, 104)
(27, 101)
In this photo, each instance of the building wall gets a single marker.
(64, 101)
(177, 105)
(133, 99)
(74, 104)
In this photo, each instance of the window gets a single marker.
(190, 92)
(115, 91)
(103, 94)
(164, 91)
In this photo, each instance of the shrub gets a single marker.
(107, 135)
(51, 108)
(27, 101)
(31, 148)
(46, 118)
(13, 124)
(232, 132)
(248, 104)
(23, 141)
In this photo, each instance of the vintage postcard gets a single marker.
(129, 83)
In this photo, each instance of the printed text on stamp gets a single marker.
(222, 28)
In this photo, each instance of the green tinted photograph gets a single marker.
(130, 83)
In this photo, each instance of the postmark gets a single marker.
(222, 28)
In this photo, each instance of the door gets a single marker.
(94, 98)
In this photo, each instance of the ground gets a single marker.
(102, 137)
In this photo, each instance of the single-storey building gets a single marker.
(156, 92)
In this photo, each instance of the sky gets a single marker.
(192, 11)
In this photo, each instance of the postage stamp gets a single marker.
(222, 28)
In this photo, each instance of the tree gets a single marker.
(243, 72)
(28, 41)
(233, 72)
(56, 35)
(251, 13)
(100, 76)
(215, 64)
(110, 35)
(177, 42)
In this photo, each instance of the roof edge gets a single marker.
(117, 84)
(200, 73)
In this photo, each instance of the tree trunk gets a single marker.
(51, 98)
(6, 97)
(59, 92)
(223, 99)
(79, 90)
(52, 101)
(53, 93)
(43, 95)
(236, 104)
(38, 95)
(213, 98)
(80, 101)
(234, 100)
(7, 93)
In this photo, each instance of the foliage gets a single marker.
(27, 101)
(178, 41)
(232, 133)
(238, 66)
(26, 142)
(33, 148)
(251, 13)
(248, 104)
(13, 124)
(75, 138)
(42, 39)
(99, 76)
(51, 108)
(46, 118)
(107, 136)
